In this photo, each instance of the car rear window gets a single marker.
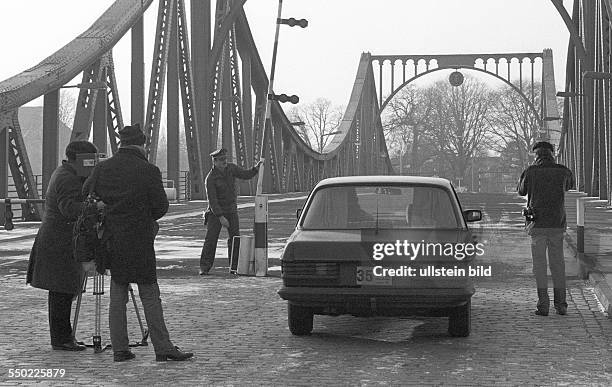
(374, 206)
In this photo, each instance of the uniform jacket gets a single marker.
(134, 195)
(52, 264)
(221, 188)
(545, 184)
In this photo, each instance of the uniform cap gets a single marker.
(218, 153)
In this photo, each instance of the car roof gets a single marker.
(385, 179)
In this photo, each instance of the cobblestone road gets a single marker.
(237, 327)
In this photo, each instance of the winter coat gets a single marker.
(545, 184)
(221, 188)
(52, 264)
(134, 195)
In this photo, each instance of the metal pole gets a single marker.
(261, 201)
(50, 137)
(268, 120)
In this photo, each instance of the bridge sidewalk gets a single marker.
(596, 262)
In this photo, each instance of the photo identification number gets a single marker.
(34, 373)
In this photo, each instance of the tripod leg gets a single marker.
(98, 292)
(145, 332)
(78, 305)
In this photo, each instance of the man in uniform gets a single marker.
(222, 209)
(545, 183)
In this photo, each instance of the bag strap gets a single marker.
(531, 187)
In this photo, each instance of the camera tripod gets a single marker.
(98, 291)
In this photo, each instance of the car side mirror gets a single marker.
(472, 215)
(298, 213)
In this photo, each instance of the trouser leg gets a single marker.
(234, 230)
(207, 257)
(538, 254)
(60, 306)
(117, 320)
(556, 261)
(153, 311)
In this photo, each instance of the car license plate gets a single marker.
(366, 277)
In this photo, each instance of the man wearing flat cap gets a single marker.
(134, 198)
(545, 183)
(222, 208)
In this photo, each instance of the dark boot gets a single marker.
(543, 302)
(176, 354)
(559, 301)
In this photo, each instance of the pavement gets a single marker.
(596, 260)
(237, 325)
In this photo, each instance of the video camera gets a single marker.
(85, 162)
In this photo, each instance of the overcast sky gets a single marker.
(321, 60)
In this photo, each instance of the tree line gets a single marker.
(444, 130)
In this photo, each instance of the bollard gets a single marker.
(8, 218)
(246, 260)
(580, 226)
(8, 213)
(261, 235)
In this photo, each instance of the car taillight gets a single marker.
(309, 270)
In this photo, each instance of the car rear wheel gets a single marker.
(459, 321)
(300, 320)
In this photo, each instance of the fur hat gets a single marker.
(132, 135)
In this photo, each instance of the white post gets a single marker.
(261, 201)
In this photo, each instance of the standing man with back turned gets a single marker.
(222, 208)
(545, 183)
(135, 199)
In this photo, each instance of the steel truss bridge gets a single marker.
(218, 76)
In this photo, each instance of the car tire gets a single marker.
(300, 320)
(459, 321)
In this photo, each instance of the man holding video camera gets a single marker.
(134, 198)
(545, 183)
(52, 265)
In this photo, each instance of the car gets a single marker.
(355, 250)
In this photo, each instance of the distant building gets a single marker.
(30, 121)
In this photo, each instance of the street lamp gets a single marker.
(260, 228)
(596, 75)
(568, 94)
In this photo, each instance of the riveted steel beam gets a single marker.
(20, 167)
(193, 132)
(166, 11)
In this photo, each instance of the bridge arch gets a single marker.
(520, 92)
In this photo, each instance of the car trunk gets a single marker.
(344, 258)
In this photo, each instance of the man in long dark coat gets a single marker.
(52, 264)
(134, 198)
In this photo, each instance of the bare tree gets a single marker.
(320, 120)
(67, 107)
(459, 123)
(514, 125)
(404, 126)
